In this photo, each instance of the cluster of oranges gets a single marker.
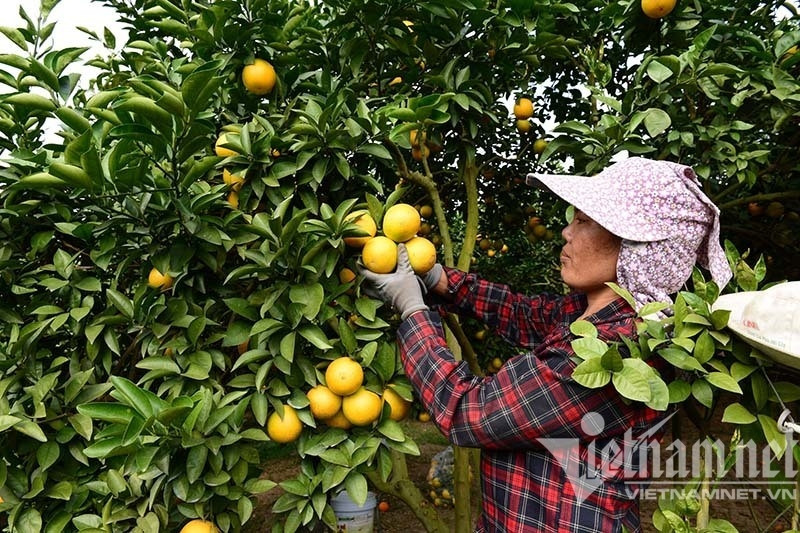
(342, 402)
(401, 224)
(523, 111)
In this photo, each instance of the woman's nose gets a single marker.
(566, 232)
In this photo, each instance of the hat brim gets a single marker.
(595, 196)
(736, 303)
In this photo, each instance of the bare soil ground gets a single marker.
(751, 516)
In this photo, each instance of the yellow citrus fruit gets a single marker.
(346, 275)
(540, 230)
(426, 211)
(418, 153)
(157, 280)
(497, 363)
(233, 180)
(365, 223)
(259, 78)
(400, 406)
(362, 408)
(323, 403)
(655, 9)
(421, 254)
(424, 417)
(339, 421)
(286, 428)
(524, 126)
(199, 526)
(415, 138)
(220, 150)
(344, 376)
(539, 146)
(401, 222)
(233, 199)
(380, 255)
(523, 109)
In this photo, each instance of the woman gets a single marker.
(640, 223)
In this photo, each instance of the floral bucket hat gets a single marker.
(666, 222)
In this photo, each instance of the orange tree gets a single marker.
(168, 291)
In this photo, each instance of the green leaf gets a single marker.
(736, 413)
(315, 336)
(589, 347)
(31, 429)
(15, 36)
(310, 296)
(631, 382)
(775, 438)
(704, 347)
(590, 373)
(703, 393)
(612, 360)
(583, 328)
(356, 485)
(196, 462)
(656, 121)
(377, 150)
(121, 302)
(679, 391)
(658, 72)
(724, 382)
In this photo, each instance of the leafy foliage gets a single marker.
(129, 408)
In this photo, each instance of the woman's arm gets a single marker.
(522, 320)
(524, 402)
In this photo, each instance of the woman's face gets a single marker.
(589, 256)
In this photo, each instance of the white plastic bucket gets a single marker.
(351, 517)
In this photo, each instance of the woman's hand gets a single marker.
(401, 289)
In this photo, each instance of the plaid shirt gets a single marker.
(528, 419)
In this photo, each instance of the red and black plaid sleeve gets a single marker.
(522, 320)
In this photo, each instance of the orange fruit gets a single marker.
(157, 280)
(199, 526)
(656, 9)
(424, 417)
(286, 428)
(259, 78)
(380, 255)
(421, 254)
(362, 408)
(426, 211)
(539, 146)
(233, 199)
(524, 126)
(323, 403)
(415, 138)
(339, 421)
(383, 506)
(220, 150)
(346, 275)
(365, 223)
(400, 407)
(523, 109)
(233, 180)
(344, 376)
(418, 153)
(401, 222)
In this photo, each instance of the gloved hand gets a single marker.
(431, 277)
(401, 289)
